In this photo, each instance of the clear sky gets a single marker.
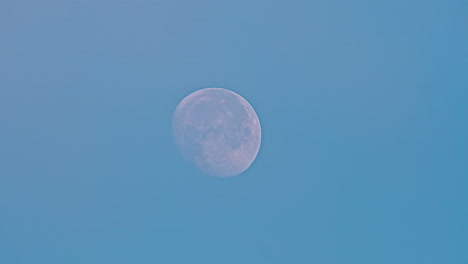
(364, 113)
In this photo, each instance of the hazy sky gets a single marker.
(363, 106)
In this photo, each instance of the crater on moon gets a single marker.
(218, 131)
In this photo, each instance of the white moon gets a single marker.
(218, 131)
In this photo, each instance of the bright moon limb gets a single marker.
(218, 131)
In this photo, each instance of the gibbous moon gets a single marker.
(218, 131)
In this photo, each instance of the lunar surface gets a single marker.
(218, 131)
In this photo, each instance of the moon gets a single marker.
(218, 131)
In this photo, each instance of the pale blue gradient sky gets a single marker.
(363, 106)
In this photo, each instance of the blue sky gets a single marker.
(363, 107)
